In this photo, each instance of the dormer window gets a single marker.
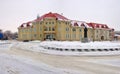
(52, 22)
(49, 22)
(59, 22)
(66, 23)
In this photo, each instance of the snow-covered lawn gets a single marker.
(14, 64)
(41, 46)
(78, 44)
(11, 64)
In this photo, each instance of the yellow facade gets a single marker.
(50, 28)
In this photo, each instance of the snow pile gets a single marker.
(77, 44)
(39, 47)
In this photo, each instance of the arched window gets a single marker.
(74, 29)
(49, 28)
(45, 29)
(49, 22)
(80, 30)
(52, 22)
(53, 29)
(67, 29)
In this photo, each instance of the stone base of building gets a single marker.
(84, 40)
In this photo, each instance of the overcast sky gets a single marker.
(15, 12)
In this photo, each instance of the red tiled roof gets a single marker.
(82, 24)
(60, 17)
(26, 24)
(22, 25)
(50, 14)
(76, 24)
(96, 25)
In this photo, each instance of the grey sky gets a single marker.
(15, 12)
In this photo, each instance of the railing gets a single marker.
(81, 50)
(49, 31)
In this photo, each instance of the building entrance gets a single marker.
(102, 37)
(49, 37)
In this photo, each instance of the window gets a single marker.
(80, 30)
(37, 22)
(35, 35)
(67, 29)
(49, 22)
(52, 22)
(66, 23)
(97, 31)
(80, 36)
(22, 30)
(53, 29)
(74, 35)
(24, 36)
(97, 36)
(31, 30)
(59, 22)
(67, 36)
(74, 29)
(49, 28)
(34, 29)
(45, 29)
(59, 29)
(40, 35)
(40, 29)
(30, 35)
(40, 22)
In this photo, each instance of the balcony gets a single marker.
(49, 31)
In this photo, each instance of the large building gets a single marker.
(53, 26)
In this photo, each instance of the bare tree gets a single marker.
(8, 34)
(15, 35)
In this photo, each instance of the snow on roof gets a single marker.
(62, 18)
(97, 25)
(80, 24)
(28, 24)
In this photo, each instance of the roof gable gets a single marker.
(54, 15)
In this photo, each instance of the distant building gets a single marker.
(53, 26)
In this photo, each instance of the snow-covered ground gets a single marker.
(112, 62)
(10, 64)
(41, 46)
(19, 64)
(5, 45)
(78, 44)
